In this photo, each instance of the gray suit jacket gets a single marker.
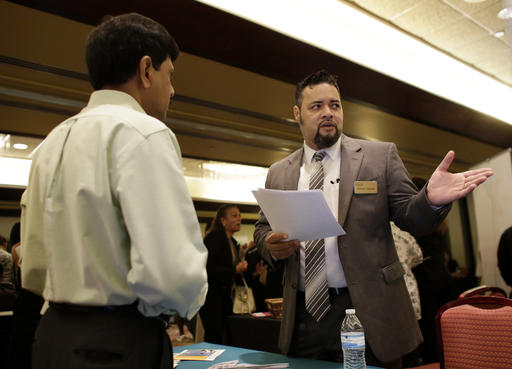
(367, 252)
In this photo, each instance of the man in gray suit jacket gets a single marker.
(366, 186)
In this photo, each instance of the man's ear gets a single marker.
(296, 113)
(144, 71)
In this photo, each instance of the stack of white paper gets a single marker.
(303, 215)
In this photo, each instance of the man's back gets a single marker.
(92, 180)
(110, 236)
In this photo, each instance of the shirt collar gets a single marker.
(332, 152)
(113, 97)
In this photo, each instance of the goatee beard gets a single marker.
(326, 141)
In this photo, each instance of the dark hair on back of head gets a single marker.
(115, 47)
(15, 236)
(322, 76)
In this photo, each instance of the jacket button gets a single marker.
(294, 286)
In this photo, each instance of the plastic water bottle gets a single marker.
(352, 341)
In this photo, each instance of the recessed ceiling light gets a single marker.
(20, 146)
(499, 34)
(505, 13)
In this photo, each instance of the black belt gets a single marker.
(93, 308)
(163, 319)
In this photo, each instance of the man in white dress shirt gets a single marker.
(109, 233)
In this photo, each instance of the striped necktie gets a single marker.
(317, 293)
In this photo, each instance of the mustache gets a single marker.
(326, 141)
(326, 122)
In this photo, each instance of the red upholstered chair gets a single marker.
(475, 333)
(484, 291)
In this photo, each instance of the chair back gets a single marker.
(484, 291)
(475, 333)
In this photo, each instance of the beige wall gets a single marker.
(6, 224)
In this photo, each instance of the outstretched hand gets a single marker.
(445, 187)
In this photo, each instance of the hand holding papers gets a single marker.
(303, 215)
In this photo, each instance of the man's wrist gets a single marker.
(434, 207)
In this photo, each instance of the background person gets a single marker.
(224, 266)
(7, 263)
(435, 284)
(8, 296)
(103, 188)
(26, 313)
(362, 269)
(505, 256)
(266, 282)
(410, 256)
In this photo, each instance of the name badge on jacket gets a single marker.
(365, 187)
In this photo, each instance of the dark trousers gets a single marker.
(217, 307)
(26, 317)
(321, 340)
(91, 338)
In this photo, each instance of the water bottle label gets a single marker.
(352, 340)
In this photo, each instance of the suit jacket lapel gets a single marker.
(351, 159)
(292, 170)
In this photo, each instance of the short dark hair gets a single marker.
(115, 47)
(322, 76)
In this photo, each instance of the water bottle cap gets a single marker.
(350, 311)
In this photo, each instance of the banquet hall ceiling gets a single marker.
(466, 30)
(235, 84)
(213, 34)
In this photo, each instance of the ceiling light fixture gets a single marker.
(505, 13)
(14, 172)
(355, 36)
(229, 169)
(20, 146)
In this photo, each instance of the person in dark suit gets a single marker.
(435, 284)
(366, 186)
(264, 281)
(505, 256)
(223, 266)
(26, 313)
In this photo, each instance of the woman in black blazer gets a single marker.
(224, 265)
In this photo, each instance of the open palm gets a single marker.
(445, 187)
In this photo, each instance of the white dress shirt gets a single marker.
(107, 218)
(331, 164)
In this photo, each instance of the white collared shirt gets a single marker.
(107, 218)
(331, 164)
